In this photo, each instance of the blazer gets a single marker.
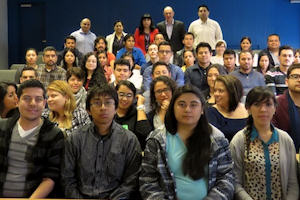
(110, 40)
(177, 34)
(140, 39)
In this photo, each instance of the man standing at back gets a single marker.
(70, 43)
(205, 29)
(173, 30)
(273, 49)
(30, 147)
(84, 37)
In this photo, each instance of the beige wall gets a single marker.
(3, 35)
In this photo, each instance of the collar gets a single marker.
(245, 73)
(81, 31)
(104, 137)
(46, 70)
(202, 22)
(171, 22)
(274, 138)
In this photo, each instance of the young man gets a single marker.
(164, 54)
(102, 160)
(188, 42)
(287, 115)
(122, 71)
(31, 147)
(28, 73)
(50, 71)
(229, 61)
(275, 78)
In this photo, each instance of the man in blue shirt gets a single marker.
(164, 54)
(246, 74)
(84, 37)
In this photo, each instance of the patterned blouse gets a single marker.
(262, 173)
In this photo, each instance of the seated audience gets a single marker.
(70, 43)
(69, 59)
(102, 160)
(132, 117)
(8, 99)
(246, 74)
(153, 56)
(220, 48)
(263, 64)
(158, 38)
(100, 44)
(275, 78)
(144, 34)
(161, 91)
(228, 114)
(188, 42)
(102, 57)
(164, 54)
(246, 45)
(75, 79)
(297, 56)
(122, 71)
(62, 109)
(138, 55)
(94, 73)
(31, 148)
(189, 59)
(272, 50)
(213, 72)
(28, 73)
(287, 115)
(264, 157)
(229, 61)
(191, 158)
(115, 40)
(31, 56)
(50, 71)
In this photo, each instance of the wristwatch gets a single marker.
(141, 107)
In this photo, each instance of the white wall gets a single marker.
(3, 35)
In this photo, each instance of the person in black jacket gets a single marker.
(128, 115)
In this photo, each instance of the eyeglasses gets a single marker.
(122, 95)
(107, 103)
(192, 105)
(165, 90)
(164, 51)
(294, 76)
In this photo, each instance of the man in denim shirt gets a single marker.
(102, 160)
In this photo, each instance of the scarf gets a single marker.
(80, 97)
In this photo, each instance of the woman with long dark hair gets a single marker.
(191, 158)
(8, 99)
(69, 59)
(264, 156)
(144, 34)
(263, 64)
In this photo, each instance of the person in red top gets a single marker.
(144, 34)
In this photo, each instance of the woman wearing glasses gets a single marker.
(190, 159)
(128, 115)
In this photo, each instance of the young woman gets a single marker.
(131, 117)
(8, 99)
(263, 63)
(264, 156)
(94, 73)
(69, 59)
(228, 114)
(189, 59)
(220, 48)
(115, 40)
(62, 108)
(191, 158)
(102, 56)
(161, 91)
(246, 44)
(297, 56)
(31, 57)
(75, 79)
(144, 34)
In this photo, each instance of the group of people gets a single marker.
(158, 114)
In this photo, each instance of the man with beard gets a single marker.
(50, 71)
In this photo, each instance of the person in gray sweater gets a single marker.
(264, 157)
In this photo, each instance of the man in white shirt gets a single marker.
(205, 29)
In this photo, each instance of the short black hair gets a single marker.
(203, 5)
(229, 52)
(286, 47)
(291, 68)
(203, 44)
(32, 83)
(102, 90)
(274, 34)
(160, 63)
(189, 33)
(28, 68)
(122, 61)
(165, 43)
(76, 71)
(49, 48)
(70, 37)
(126, 37)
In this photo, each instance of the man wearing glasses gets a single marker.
(102, 159)
(164, 54)
(287, 115)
